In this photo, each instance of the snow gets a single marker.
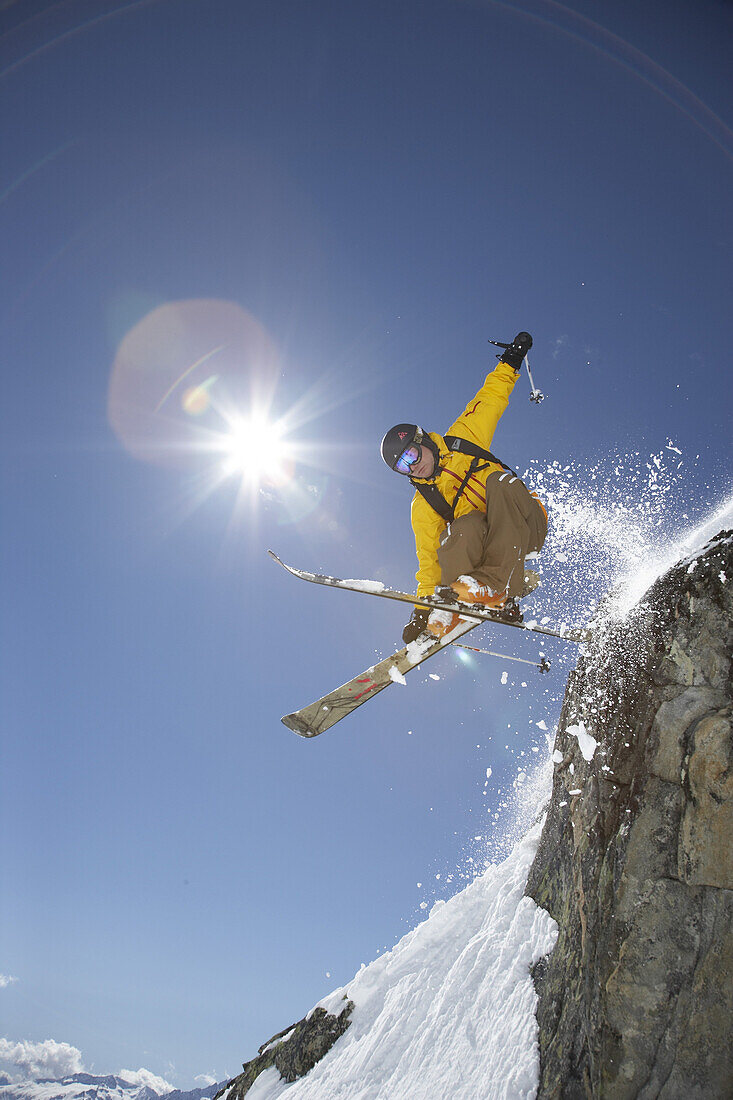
(441, 618)
(366, 586)
(396, 676)
(587, 744)
(416, 650)
(274, 1043)
(450, 1010)
(128, 1084)
(685, 549)
(619, 524)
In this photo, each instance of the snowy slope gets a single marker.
(450, 1010)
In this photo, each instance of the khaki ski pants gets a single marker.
(491, 546)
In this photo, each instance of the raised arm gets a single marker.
(478, 420)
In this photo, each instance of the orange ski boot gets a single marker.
(469, 591)
(441, 623)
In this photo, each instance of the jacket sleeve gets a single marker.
(478, 420)
(427, 526)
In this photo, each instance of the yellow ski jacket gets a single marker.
(476, 423)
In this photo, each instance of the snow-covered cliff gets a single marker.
(621, 916)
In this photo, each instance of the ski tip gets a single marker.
(295, 723)
(274, 556)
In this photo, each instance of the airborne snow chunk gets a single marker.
(587, 744)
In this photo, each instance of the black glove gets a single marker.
(416, 625)
(515, 352)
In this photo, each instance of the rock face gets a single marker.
(636, 858)
(293, 1051)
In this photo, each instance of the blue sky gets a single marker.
(364, 194)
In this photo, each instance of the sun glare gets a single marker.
(255, 448)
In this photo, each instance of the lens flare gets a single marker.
(196, 400)
(193, 387)
(180, 371)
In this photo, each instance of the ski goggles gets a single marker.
(407, 459)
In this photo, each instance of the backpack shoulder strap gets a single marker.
(436, 500)
(432, 493)
(466, 447)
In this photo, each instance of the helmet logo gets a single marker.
(402, 435)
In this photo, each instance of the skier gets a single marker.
(474, 520)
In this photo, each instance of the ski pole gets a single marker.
(536, 395)
(543, 664)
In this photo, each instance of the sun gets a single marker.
(255, 447)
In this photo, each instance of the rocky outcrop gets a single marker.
(293, 1051)
(636, 858)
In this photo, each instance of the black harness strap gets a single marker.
(455, 443)
(436, 500)
(432, 493)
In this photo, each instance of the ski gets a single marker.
(319, 716)
(511, 616)
(326, 712)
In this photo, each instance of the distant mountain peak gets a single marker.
(90, 1086)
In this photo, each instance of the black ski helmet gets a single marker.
(400, 437)
(396, 439)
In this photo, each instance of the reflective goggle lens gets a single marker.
(408, 458)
